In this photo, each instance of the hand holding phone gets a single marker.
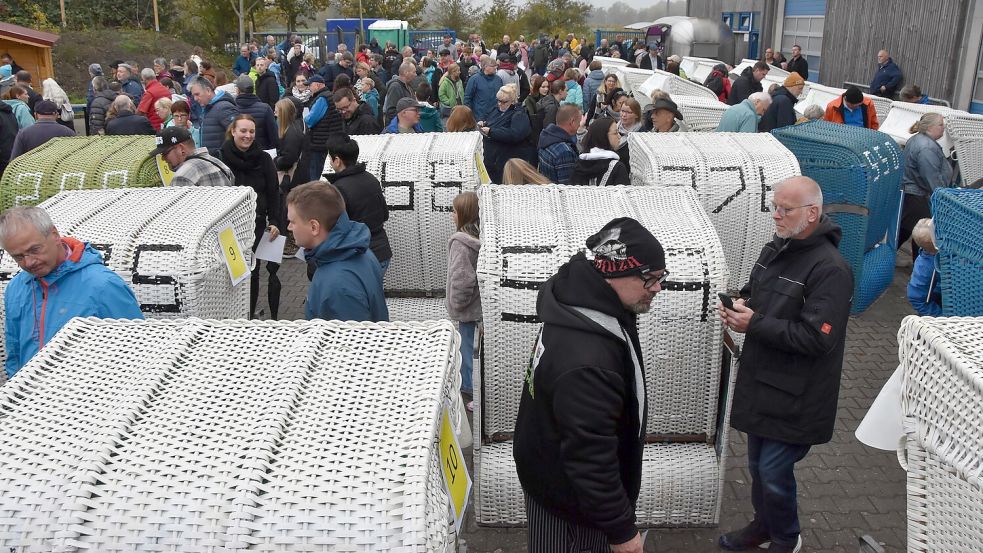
(726, 301)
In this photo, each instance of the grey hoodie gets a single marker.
(463, 300)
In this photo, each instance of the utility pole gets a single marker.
(361, 26)
(156, 18)
(242, 28)
(62, 2)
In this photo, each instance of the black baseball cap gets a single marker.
(169, 137)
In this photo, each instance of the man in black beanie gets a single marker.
(853, 108)
(581, 424)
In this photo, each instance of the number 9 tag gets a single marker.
(232, 254)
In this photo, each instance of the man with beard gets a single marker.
(793, 313)
(581, 423)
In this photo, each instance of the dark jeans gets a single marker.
(317, 164)
(773, 491)
(913, 209)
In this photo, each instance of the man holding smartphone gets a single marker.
(793, 312)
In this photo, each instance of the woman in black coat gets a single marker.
(600, 164)
(121, 118)
(254, 168)
(101, 101)
(291, 131)
(506, 133)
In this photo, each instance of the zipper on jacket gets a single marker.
(44, 308)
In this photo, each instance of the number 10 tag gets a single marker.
(232, 254)
(456, 477)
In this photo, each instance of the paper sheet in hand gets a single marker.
(271, 152)
(271, 251)
(881, 427)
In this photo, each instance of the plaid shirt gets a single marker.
(201, 169)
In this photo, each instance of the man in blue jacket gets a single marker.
(558, 145)
(480, 94)
(61, 278)
(244, 62)
(219, 111)
(888, 77)
(347, 282)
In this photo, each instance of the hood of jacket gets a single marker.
(356, 169)
(346, 240)
(80, 255)
(553, 134)
(108, 94)
(782, 91)
(826, 231)
(577, 284)
(221, 96)
(596, 75)
(748, 72)
(246, 99)
(466, 240)
(599, 154)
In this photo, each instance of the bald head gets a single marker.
(883, 56)
(797, 207)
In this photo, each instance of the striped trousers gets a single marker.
(551, 534)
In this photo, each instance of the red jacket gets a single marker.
(834, 112)
(155, 91)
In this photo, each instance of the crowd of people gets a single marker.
(547, 113)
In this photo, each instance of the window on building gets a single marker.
(807, 32)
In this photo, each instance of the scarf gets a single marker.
(302, 96)
(623, 131)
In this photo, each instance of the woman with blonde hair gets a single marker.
(450, 91)
(520, 171)
(506, 133)
(291, 133)
(461, 120)
(52, 91)
(603, 98)
(926, 169)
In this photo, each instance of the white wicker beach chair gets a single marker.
(527, 233)
(163, 242)
(732, 173)
(698, 69)
(700, 113)
(200, 435)
(941, 399)
(904, 114)
(420, 175)
(641, 82)
(966, 131)
(822, 95)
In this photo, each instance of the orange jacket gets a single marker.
(834, 112)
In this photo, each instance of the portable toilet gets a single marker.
(393, 30)
(349, 31)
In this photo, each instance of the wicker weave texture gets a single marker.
(860, 172)
(904, 114)
(529, 231)
(958, 216)
(163, 242)
(229, 436)
(698, 69)
(966, 131)
(77, 163)
(416, 309)
(421, 174)
(700, 113)
(640, 83)
(942, 395)
(822, 95)
(732, 173)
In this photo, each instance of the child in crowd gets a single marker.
(924, 290)
(463, 299)
(575, 95)
(370, 95)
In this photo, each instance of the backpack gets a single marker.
(67, 113)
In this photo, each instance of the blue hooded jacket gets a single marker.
(347, 284)
(82, 286)
(924, 290)
(480, 94)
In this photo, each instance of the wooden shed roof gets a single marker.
(26, 35)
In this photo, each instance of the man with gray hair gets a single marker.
(62, 278)
(745, 116)
(793, 312)
(398, 88)
(481, 92)
(219, 111)
(129, 83)
(154, 91)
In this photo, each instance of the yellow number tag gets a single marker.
(165, 170)
(232, 253)
(456, 476)
(482, 172)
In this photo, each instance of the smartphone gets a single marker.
(726, 300)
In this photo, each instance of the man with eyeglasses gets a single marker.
(793, 312)
(581, 424)
(61, 278)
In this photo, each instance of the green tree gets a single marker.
(406, 10)
(458, 15)
(295, 10)
(553, 17)
(500, 19)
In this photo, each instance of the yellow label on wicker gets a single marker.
(232, 253)
(165, 170)
(456, 476)
(482, 172)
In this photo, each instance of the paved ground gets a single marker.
(846, 489)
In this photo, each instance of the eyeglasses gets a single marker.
(648, 283)
(783, 211)
(34, 251)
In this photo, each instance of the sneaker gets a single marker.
(470, 406)
(776, 548)
(751, 536)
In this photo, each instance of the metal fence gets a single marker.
(314, 41)
(631, 37)
(424, 40)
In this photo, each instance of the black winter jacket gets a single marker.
(365, 203)
(781, 112)
(99, 109)
(549, 105)
(331, 124)
(8, 133)
(216, 120)
(267, 90)
(266, 128)
(127, 122)
(800, 292)
(508, 137)
(254, 168)
(799, 65)
(288, 153)
(363, 121)
(599, 169)
(580, 429)
(744, 86)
